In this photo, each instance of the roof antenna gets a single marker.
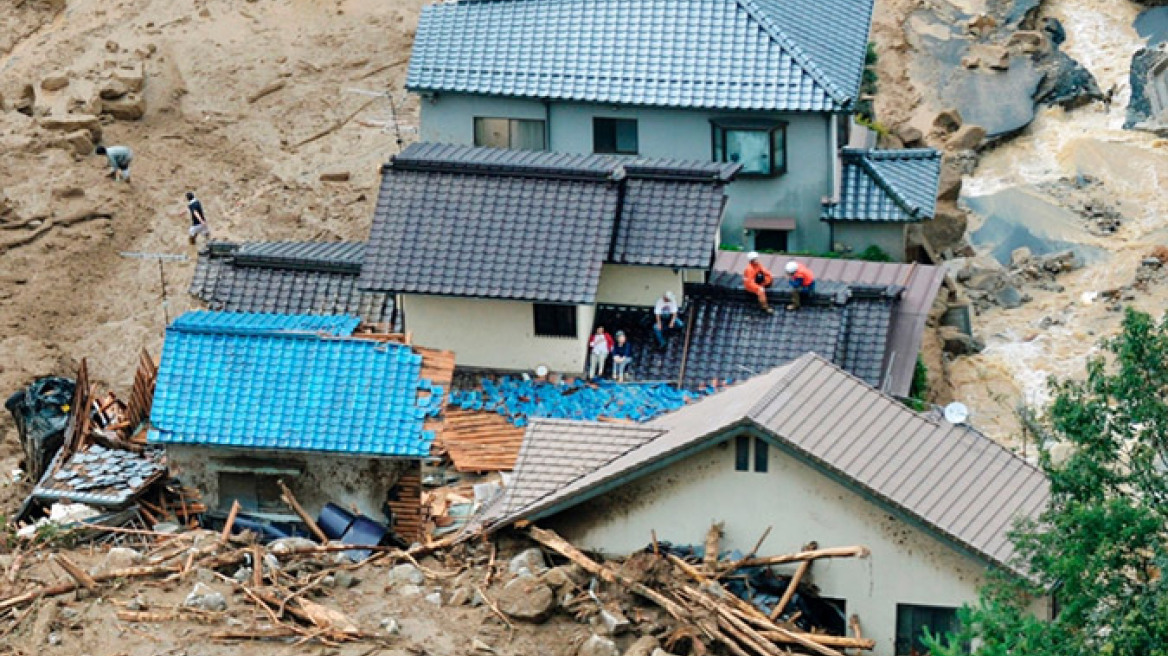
(394, 119)
(956, 413)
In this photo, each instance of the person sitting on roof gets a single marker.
(756, 278)
(665, 313)
(622, 355)
(802, 283)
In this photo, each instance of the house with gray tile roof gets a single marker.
(816, 454)
(525, 244)
(769, 84)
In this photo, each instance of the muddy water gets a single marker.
(1133, 169)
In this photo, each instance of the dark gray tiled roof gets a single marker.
(535, 226)
(887, 185)
(920, 282)
(287, 278)
(730, 338)
(800, 55)
(951, 479)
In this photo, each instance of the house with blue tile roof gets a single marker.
(768, 84)
(243, 400)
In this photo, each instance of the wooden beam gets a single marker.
(834, 552)
(289, 499)
(794, 584)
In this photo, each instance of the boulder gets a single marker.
(947, 228)
(528, 599)
(112, 89)
(559, 577)
(910, 136)
(996, 58)
(955, 342)
(406, 574)
(1028, 41)
(204, 598)
(72, 123)
(133, 78)
(530, 561)
(1008, 297)
(129, 107)
(967, 137)
(947, 120)
(1019, 257)
(55, 82)
(950, 185)
(79, 141)
(598, 646)
(119, 558)
(611, 622)
(644, 646)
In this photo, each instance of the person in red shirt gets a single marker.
(756, 279)
(802, 283)
(600, 346)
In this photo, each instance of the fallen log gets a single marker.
(289, 499)
(800, 639)
(842, 642)
(834, 552)
(789, 593)
(65, 588)
(79, 575)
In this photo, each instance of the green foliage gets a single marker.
(873, 254)
(1101, 543)
(919, 387)
(865, 113)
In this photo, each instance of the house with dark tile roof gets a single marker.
(243, 400)
(817, 455)
(768, 84)
(503, 255)
(288, 278)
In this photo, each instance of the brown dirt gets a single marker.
(68, 294)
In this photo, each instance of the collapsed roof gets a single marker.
(535, 226)
(951, 479)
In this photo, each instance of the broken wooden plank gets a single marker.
(289, 499)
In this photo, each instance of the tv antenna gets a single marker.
(162, 259)
(394, 120)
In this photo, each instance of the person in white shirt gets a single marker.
(601, 346)
(665, 312)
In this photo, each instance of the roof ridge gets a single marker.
(894, 153)
(794, 368)
(802, 58)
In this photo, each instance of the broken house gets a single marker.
(288, 278)
(768, 85)
(817, 455)
(503, 256)
(243, 401)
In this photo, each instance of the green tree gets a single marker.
(1100, 544)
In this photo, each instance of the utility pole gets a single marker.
(162, 259)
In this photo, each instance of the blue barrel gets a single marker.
(334, 521)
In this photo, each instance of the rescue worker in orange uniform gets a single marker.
(802, 283)
(757, 279)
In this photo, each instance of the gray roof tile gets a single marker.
(805, 55)
(887, 185)
(287, 278)
(535, 226)
(952, 479)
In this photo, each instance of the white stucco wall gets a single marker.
(907, 565)
(858, 235)
(622, 284)
(493, 333)
(344, 480)
(675, 133)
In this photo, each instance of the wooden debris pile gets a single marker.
(694, 594)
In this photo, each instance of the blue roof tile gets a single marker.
(887, 185)
(788, 55)
(286, 382)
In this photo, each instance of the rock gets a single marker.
(1060, 261)
(243, 574)
(460, 597)
(949, 188)
(390, 625)
(410, 590)
(130, 107)
(971, 62)
(1008, 297)
(335, 176)
(967, 137)
(947, 120)
(112, 89)
(528, 599)
(79, 141)
(530, 561)
(1151, 263)
(955, 342)
(558, 577)
(996, 57)
(55, 82)
(135, 604)
(132, 78)
(204, 598)
(611, 622)
(1019, 257)
(910, 136)
(1028, 41)
(947, 228)
(598, 646)
(1141, 114)
(72, 123)
(287, 545)
(1002, 102)
(406, 574)
(479, 647)
(1066, 83)
(434, 598)
(344, 579)
(119, 558)
(644, 646)
(54, 639)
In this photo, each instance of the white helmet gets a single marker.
(752, 256)
(792, 267)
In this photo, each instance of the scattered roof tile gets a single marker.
(724, 54)
(535, 226)
(952, 479)
(887, 185)
(272, 382)
(287, 277)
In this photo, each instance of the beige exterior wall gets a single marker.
(493, 333)
(622, 284)
(907, 565)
